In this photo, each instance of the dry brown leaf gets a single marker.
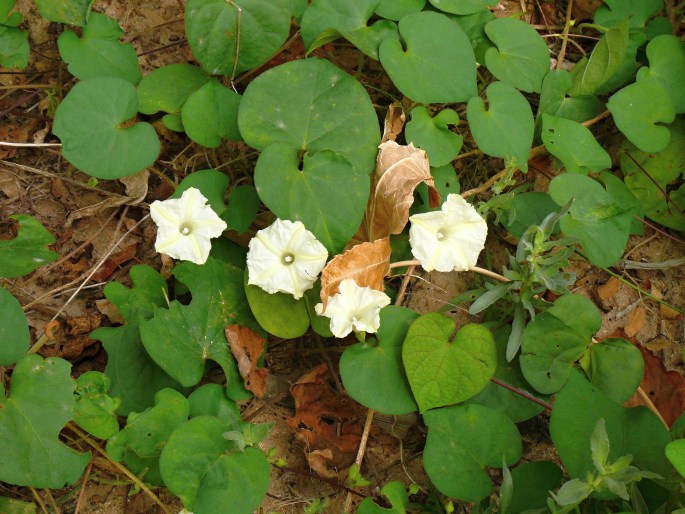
(366, 263)
(609, 288)
(110, 265)
(247, 347)
(399, 169)
(108, 309)
(585, 9)
(394, 122)
(636, 321)
(13, 134)
(326, 422)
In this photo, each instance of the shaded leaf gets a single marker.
(461, 6)
(666, 56)
(167, 88)
(247, 348)
(14, 330)
(71, 12)
(398, 9)
(210, 115)
(433, 134)
(618, 383)
(574, 145)
(26, 252)
(395, 492)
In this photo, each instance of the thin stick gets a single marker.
(86, 476)
(29, 145)
(482, 271)
(567, 26)
(52, 501)
(648, 403)
(39, 500)
(671, 263)
(360, 454)
(597, 118)
(522, 393)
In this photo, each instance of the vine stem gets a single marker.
(522, 393)
(482, 271)
(564, 41)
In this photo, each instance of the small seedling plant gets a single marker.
(351, 204)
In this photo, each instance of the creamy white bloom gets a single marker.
(448, 240)
(354, 308)
(285, 257)
(185, 226)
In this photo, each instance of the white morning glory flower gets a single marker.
(354, 308)
(448, 240)
(285, 257)
(185, 225)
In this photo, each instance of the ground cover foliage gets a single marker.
(361, 169)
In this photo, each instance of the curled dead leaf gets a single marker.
(366, 263)
(394, 122)
(247, 347)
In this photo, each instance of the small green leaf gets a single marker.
(210, 115)
(637, 12)
(211, 183)
(675, 452)
(40, 403)
(26, 252)
(433, 134)
(553, 99)
(210, 400)
(14, 43)
(213, 26)
(599, 445)
(638, 109)
(521, 58)
(506, 128)
(243, 206)
(574, 145)
(397, 9)
(14, 330)
(88, 121)
(167, 88)
(462, 441)
(71, 12)
(438, 64)
(98, 52)
(617, 382)
(279, 313)
(462, 6)
(324, 192)
(207, 471)
(532, 483)
(443, 371)
(557, 338)
(361, 365)
(94, 408)
(395, 492)
(139, 444)
(12, 506)
(311, 105)
(666, 56)
(573, 492)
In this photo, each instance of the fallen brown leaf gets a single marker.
(609, 288)
(394, 122)
(247, 347)
(366, 263)
(636, 320)
(110, 265)
(326, 422)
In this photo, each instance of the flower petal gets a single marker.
(354, 307)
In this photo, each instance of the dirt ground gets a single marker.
(88, 221)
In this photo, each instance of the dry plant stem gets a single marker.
(86, 476)
(39, 500)
(671, 263)
(29, 145)
(567, 26)
(648, 403)
(52, 502)
(121, 468)
(522, 393)
(476, 269)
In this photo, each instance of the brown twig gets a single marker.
(522, 393)
(86, 476)
(564, 41)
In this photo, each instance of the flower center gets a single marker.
(288, 258)
(439, 235)
(185, 229)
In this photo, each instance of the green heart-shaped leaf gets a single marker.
(210, 115)
(433, 135)
(40, 403)
(167, 88)
(211, 183)
(637, 12)
(462, 441)
(438, 65)
(617, 382)
(398, 9)
(71, 12)
(557, 338)
(14, 330)
(213, 26)
(506, 129)
(667, 65)
(210, 400)
(94, 410)
(574, 145)
(311, 105)
(461, 7)
(553, 100)
(98, 52)
(325, 194)
(362, 364)
(88, 121)
(26, 252)
(443, 371)
(14, 43)
(521, 58)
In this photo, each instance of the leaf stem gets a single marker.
(564, 41)
(522, 393)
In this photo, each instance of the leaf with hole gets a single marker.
(464, 440)
(210, 115)
(506, 128)
(311, 105)
(574, 145)
(14, 329)
(397, 9)
(98, 52)
(214, 26)
(433, 134)
(520, 57)
(26, 252)
(617, 382)
(71, 12)
(14, 43)
(436, 63)
(40, 403)
(666, 56)
(443, 369)
(92, 123)
(94, 409)
(361, 365)
(557, 338)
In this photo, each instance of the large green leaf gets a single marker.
(182, 338)
(71, 12)
(213, 27)
(462, 441)
(98, 52)
(520, 58)
(167, 88)
(14, 43)
(433, 134)
(442, 369)
(209, 473)
(361, 365)
(675, 452)
(398, 9)
(324, 192)
(462, 6)
(637, 12)
(557, 338)
(506, 128)
(532, 483)
(210, 115)
(666, 55)
(26, 252)
(436, 64)
(574, 145)
(94, 410)
(649, 175)
(311, 105)
(618, 382)
(40, 403)
(326, 20)
(601, 225)
(14, 330)
(89, 122)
